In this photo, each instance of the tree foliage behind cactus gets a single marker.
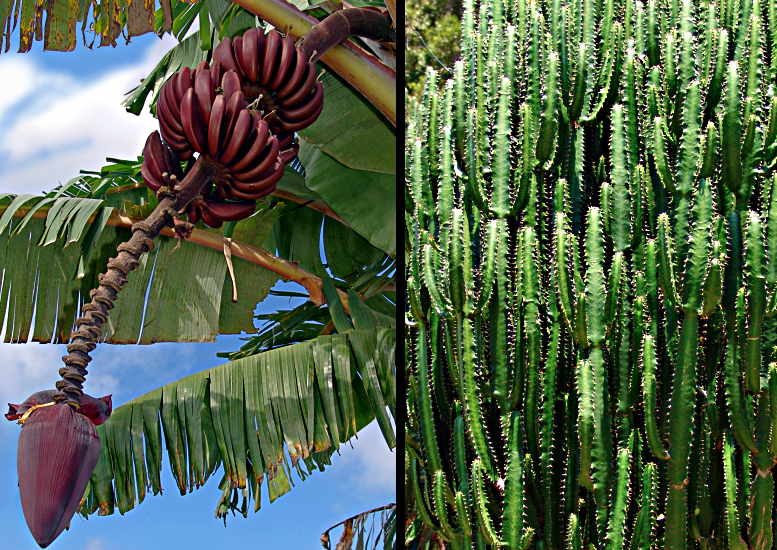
(592, 278)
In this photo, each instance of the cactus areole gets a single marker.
(233, 123)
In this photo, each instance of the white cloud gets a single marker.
(29, 83)
(55, 124)
(28, 368)
(95, 544)
(124, 371)
(71, 124)
(371, 464)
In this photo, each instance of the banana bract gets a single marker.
(97, 409)
(58, 449)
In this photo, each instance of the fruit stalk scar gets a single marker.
(343, 24)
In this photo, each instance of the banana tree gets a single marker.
(251, 178)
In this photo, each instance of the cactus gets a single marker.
(592, 278)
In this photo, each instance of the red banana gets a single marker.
(222, 54)
(193, 121)
(308, 108)
(238, 136)
(269, 155)
(203, 90)
(183, 81)
(270, 59)
(302, 91)
(216, 131)
(287, 58)
(157, 159)
(297, 126)
(230, 211)
(257, 189)
(250, 53)
(230, 83)
(235, 104)
(256, 152)
(299, 72)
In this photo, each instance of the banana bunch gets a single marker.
(221, 127)
(194, 118)
(274, 71)
(162, 168)
(239, 115)
(229, 198)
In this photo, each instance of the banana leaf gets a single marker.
(255, 419)
(181, 291)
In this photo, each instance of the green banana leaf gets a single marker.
(181, 292)
(255, 419)
(316, 242)
(185, 54)
(365, 200)
(351, 131)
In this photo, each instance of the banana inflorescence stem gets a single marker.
(342, 24)
(88, 327)
(174, 198)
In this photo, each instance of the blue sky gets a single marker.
(62, 113)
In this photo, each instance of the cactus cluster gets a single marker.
(591, 257)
